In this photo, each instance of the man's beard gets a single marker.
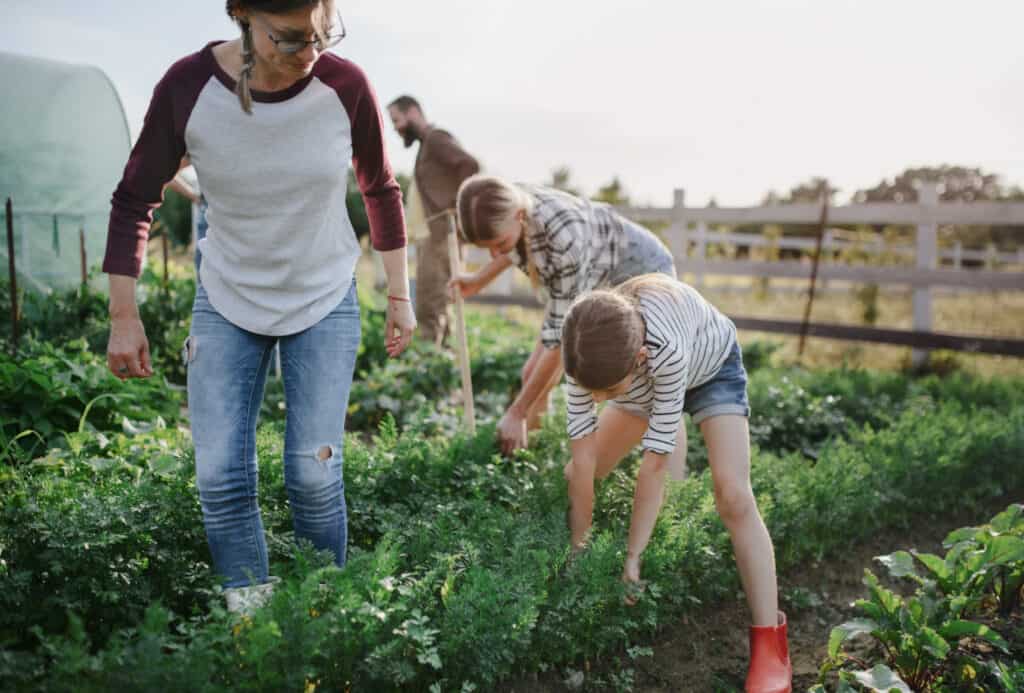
(409, 136)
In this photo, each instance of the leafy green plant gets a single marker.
(99, 537)
(52, 391)
(166, 313)
(927, 639)
(919, 635)
(987, 559)
(459, 572)
(786, 417)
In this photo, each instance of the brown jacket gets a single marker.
(441, 166)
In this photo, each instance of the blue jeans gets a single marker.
(726, 393)
(201, 228)
(641, 253)
(227, 371)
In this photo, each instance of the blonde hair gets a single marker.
(242, 89)
(653, 282)
(604, 330)
(486, 203)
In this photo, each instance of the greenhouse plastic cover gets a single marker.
(64, 141)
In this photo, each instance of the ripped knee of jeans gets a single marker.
(188, 350)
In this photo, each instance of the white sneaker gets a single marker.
(245, 600)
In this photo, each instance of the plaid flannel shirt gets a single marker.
(575, 244)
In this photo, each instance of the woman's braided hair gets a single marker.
(248, 53)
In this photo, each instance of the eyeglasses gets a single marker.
(291, 46)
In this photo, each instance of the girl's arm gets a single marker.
(580, 473)
(650, 489)
(184, 189)
(512, 427)
(472, 284)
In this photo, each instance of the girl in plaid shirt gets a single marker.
(567, 245)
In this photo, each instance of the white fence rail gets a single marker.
(919, 266)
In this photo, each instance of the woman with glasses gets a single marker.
(271, 123)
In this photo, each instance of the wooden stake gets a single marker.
(814, 270)
(461, 343)
(85, 264)
(163, 242)
(13, 274)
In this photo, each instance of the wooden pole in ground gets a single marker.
(85, 263)
(163, 243)
(461, 343)
(926, 258)
(814, 269)
(9, 209)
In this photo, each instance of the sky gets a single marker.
(725, 99)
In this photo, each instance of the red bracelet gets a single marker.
(397, 298)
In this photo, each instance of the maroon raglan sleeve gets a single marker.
(154, 161)
(381, 193)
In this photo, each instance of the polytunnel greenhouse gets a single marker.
(64, 140)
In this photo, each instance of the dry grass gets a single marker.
(991, 314)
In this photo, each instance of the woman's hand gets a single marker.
(399, 326)
(128, 349)
(466, 284)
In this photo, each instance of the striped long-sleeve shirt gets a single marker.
(687, 342)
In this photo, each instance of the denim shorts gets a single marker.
(641, 253)
(725, 393)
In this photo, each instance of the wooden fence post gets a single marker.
(827, 242)
(700, 253)
(678, 233)
(85, 263)
(926, 258)
(9, 211)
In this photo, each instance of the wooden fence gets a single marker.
(920, 266)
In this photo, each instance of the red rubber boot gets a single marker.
(770, 670)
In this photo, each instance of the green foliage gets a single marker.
(789, 418)
(357, 206)
(174, 217)
(758, 355)
(54, 391)
(59, 317)
(166, 313)
(867, 297)
(424, 385)
(101, 537)
(561, 179)
(613, 193)
(929, 640)
(62, 317)
(984, 560)
(459, 571)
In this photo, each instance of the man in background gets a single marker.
(441, 166)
